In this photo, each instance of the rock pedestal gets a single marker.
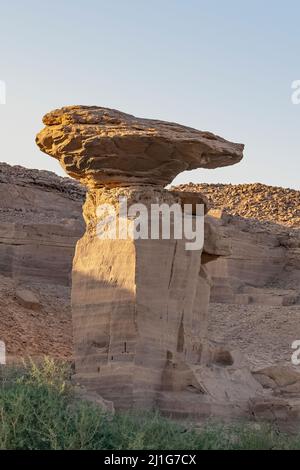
(140, 305)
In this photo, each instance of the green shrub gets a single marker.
(38, 410)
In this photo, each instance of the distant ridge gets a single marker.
(46, 180)
(254, 201)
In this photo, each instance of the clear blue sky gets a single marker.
(223, 66)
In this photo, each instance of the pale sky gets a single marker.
(223, 66)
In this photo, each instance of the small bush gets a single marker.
(38, 410)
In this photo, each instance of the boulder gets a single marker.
(283, 380)
(106, 147)
(27, 298)
(82, 393)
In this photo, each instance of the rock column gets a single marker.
(139, 305)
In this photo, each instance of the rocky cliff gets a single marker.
(40, 222)
(263, 225)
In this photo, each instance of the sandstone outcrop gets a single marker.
(140, 314)
(140, 306)
(262, 222)
(284, 381)
(263, 266)
(105, 147)
(40, 223)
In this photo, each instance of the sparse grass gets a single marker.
(38, 410)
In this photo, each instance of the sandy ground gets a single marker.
(263, 334)
(47, 331)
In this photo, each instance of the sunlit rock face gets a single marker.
(133, 307)
(105, 147)
(140, 306)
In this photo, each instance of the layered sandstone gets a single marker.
(133, 309)
(262, 223)
(40, 223)
(140, 318)
(140, 306)
(105, 147)
(263, 266)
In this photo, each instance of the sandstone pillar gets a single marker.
(140, 305)
(133, 307)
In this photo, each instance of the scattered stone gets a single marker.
(252, 201)
(27, 298)
(91, 396)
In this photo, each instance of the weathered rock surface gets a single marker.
(140, 307)
(133, 308)
(284, 381)
(105, 147)
(140, 315)
(40, 222)
(262, 267)
(263, 333)
(261, 223)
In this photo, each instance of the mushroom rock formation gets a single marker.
(140, 306)
(105, 147)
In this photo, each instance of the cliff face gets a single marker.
(40, 222)
(263, 225)
(263, 267)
